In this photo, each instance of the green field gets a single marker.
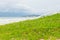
(47, 27)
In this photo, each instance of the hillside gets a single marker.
(47, 27)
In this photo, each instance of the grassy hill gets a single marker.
(47, 27)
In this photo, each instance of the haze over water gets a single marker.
(7, 20)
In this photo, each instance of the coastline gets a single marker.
(7, 20)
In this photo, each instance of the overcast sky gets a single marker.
(34, 6)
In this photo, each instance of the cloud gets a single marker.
(30, 6)
(15, 6)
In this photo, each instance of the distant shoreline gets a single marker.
(7, 20)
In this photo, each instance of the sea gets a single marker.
(7, 20)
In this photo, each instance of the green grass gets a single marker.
(47, 27)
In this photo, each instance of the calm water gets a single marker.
(6, 20)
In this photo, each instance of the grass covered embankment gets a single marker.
(47, 27)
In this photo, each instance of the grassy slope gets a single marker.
(45, 27)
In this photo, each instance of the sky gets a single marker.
(30, 6)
